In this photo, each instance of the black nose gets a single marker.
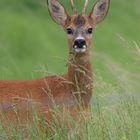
(80, 43)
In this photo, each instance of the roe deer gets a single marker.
(73, 88)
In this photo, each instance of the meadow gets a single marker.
(32, 46)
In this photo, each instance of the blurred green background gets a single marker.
(30, 43)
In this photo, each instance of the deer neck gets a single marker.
(80, 73)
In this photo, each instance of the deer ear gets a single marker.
(57, 11)
(99, 10)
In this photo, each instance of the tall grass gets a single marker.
(115, 113)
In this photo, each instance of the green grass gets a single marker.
(30, 41)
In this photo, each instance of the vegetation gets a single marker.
(31, 43)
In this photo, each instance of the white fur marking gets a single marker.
(80, 37)
(78, 50)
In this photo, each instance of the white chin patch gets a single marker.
(80, 50)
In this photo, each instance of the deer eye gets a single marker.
(89, 31)
(69, 31)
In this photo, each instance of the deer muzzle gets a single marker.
(79, 46)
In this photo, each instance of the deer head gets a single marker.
(79, 27)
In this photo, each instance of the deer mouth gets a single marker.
(79, 49)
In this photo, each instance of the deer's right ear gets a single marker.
(57, 12)
(99, 10)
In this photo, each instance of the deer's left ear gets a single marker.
(57, 11)
(99, 10)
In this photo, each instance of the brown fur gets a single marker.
(79, 21)
(45, 92)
